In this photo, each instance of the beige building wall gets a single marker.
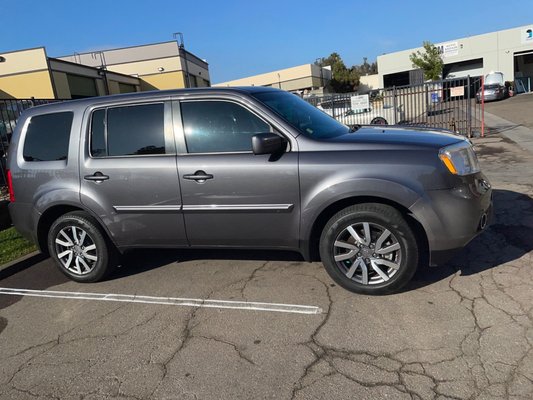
(167, 80)
(292, 79)
(21, 61)
(61, 84)
(27, 85)
(165, 59)
(147, 67)
(368, 83)
(25, 74)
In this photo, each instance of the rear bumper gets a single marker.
(23, 218)
(452, 218)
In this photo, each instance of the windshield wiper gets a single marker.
(354, 128)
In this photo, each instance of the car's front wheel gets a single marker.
(79, 248)
(369, 248)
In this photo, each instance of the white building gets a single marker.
(509, 51)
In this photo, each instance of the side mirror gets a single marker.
(268, 143)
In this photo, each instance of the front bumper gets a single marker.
(453, 217)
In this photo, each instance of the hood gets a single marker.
(397, 136)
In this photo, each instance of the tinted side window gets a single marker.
(219, 126)
(136, 130)
(47, 137)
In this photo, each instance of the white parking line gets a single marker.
(172, 301)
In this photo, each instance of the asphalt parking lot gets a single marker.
(513, 109)
(462, 331)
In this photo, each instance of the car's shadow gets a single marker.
(142, 260)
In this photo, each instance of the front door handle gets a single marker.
(198, 176)
(96, 177)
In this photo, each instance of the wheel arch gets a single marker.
(310, 245)
(52, 213)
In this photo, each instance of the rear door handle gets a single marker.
(97, 177)
(199, 176)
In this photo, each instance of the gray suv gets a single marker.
(241, 168)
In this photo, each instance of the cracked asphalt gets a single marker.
(463, 331)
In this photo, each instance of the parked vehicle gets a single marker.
(241, 168)
(373, 116)
(493, 89)
(341, 110)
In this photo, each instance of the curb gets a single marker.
(519, 134)
(19, 260)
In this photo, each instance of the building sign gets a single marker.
(360, 103)
(449, 49)
(527, 35)
(458, 91)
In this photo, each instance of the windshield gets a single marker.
(307, 119)
(495, 78)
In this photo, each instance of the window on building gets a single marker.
(47, 137)
(219, 126)
(126, 88)
(81, 86)
(127, 131)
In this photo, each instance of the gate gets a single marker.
(446, 104)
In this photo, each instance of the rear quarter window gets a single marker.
(47, 137)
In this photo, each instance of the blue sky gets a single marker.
(240, 38)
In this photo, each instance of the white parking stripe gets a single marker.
(173, 301)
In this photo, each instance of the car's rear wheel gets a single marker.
(79, 248)
(379, 121)
(369, 248)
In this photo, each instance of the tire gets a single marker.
(79, 248)
(379, 121)
(342, 252)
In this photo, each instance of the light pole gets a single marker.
(181, 50)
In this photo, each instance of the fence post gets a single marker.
(394, 104)
(469, 109)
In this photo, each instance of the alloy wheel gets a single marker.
(367, 253)
(76, 250)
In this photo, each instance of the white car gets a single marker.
(372, 116)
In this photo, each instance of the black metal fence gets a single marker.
(9, 113)
(447, 104)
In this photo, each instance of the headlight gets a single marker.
(459, 158)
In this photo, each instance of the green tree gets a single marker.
(366, 68)
(343, 79)
(429, 61)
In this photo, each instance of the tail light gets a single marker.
(10, 186)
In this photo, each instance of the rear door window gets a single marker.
(48, 137)
(128, 131)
